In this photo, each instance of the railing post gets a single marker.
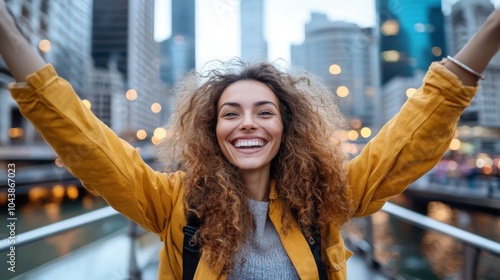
(471, 260)
(370, 240)
(134, 272)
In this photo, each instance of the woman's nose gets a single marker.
(248, 123)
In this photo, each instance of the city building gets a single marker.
(480, 123)
(396, 92)
(253, 42)
(123, 39)
(344, 56)
(411, 36)
(61, 31)
(178, 53)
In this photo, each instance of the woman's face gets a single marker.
(249, 125)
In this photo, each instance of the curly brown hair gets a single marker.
(309, 169)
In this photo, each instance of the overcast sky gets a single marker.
(217, 23)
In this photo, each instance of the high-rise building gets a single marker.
(123, 39)
(178, 53)
(480, 123)
(61, 31)
(344, 56)
(411, 36)
(396, 92)
(253, 42)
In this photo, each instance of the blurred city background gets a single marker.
(123, 58)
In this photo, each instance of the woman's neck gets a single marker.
(257, 183)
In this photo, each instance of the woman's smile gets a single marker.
(249, 126)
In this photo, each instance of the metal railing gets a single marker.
(59, 227)
(474, 242)
(74, 223)
(429, 223)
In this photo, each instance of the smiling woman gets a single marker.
(249, 130)
(262, 129)
(254, 158)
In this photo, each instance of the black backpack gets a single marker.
(191, 251)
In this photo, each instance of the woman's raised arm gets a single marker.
(90, 150)
(478, 52)
(19, 55)
(412, 142)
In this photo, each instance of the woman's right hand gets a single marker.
(19, 55)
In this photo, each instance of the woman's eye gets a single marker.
(229, 114)
(266, 113)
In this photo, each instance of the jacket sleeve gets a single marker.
(93, 153)
(411, 143)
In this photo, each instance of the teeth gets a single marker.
(249, 143)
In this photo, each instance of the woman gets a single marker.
(262, 168)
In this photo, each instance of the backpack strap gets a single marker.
(191, 249)
(315, 245)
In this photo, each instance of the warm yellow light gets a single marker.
(58, 191)
(87, 103)
(390, 28)
(131, 94)
(487, 170)
(155, 140)
(455, 144)
(342, 91)
(437, 51)
(410, 92)
(352, 135)
(366, 132)
(391, 56)
(160, 133)
(141, 134)
(3, 198)
(72, 192)
(15, 132)
(44, 45)
(334, 69)
(37, 193)
(356, 123)
(156, 107)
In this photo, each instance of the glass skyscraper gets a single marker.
(178, 53)
(411, 36)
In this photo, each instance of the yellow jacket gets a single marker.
(407, 147)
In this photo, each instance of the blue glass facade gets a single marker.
(419, 39)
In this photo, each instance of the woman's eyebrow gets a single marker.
(232, 104)
(260, 103)
(256, 104)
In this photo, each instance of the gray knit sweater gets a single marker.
(265, 256)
